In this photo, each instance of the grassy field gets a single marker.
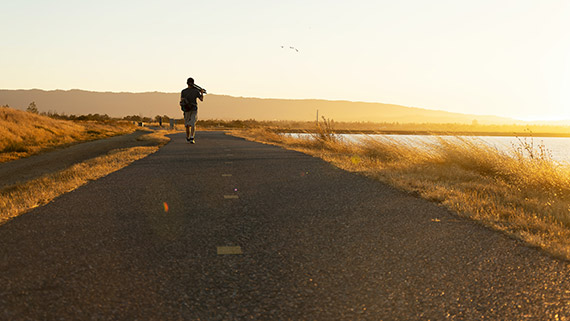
(524, 193)
(23, 133)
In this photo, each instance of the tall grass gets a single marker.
(23, 133)
(523, 193)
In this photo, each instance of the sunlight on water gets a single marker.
(558, 147)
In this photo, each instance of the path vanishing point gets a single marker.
(228, 229)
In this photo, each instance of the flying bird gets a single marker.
(292, 48)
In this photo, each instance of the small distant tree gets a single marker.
(32, 108)
(132, 118)
(165, 120)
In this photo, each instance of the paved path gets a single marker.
(25, 169)
(316, 243)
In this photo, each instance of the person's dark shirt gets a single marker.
(190, 94)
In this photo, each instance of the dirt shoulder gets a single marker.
(25, 169)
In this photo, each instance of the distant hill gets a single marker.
(150, 104)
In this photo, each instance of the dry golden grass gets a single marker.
(18, 199)
(23, 134)
(524, 194)
(157, 136)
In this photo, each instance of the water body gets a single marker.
(557, 147)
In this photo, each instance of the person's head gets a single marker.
(190, 81)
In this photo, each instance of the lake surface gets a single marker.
(557, 147)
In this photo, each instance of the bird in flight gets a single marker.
(292, 48)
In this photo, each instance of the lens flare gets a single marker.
(165, 207)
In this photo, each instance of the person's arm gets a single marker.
(201, 96)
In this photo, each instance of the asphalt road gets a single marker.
(24, 169)
(311, 242)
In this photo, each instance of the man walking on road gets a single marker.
(189, 106)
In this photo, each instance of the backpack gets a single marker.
(184, 105)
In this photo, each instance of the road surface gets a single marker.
(24, 169)
(233, 230)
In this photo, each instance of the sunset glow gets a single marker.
(507, 58)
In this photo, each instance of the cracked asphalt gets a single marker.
(316, 243)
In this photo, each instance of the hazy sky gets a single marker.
(500, 57)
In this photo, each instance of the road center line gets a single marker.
(230, 197)
(225, 250)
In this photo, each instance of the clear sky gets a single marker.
(501, 57)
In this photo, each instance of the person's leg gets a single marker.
(188, 131)
(193, 117)
(187, 123)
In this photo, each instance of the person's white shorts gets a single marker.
(190, 118)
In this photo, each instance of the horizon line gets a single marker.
(526, 120)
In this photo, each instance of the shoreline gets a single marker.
(425, 133)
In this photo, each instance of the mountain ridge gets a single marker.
(120, 104)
